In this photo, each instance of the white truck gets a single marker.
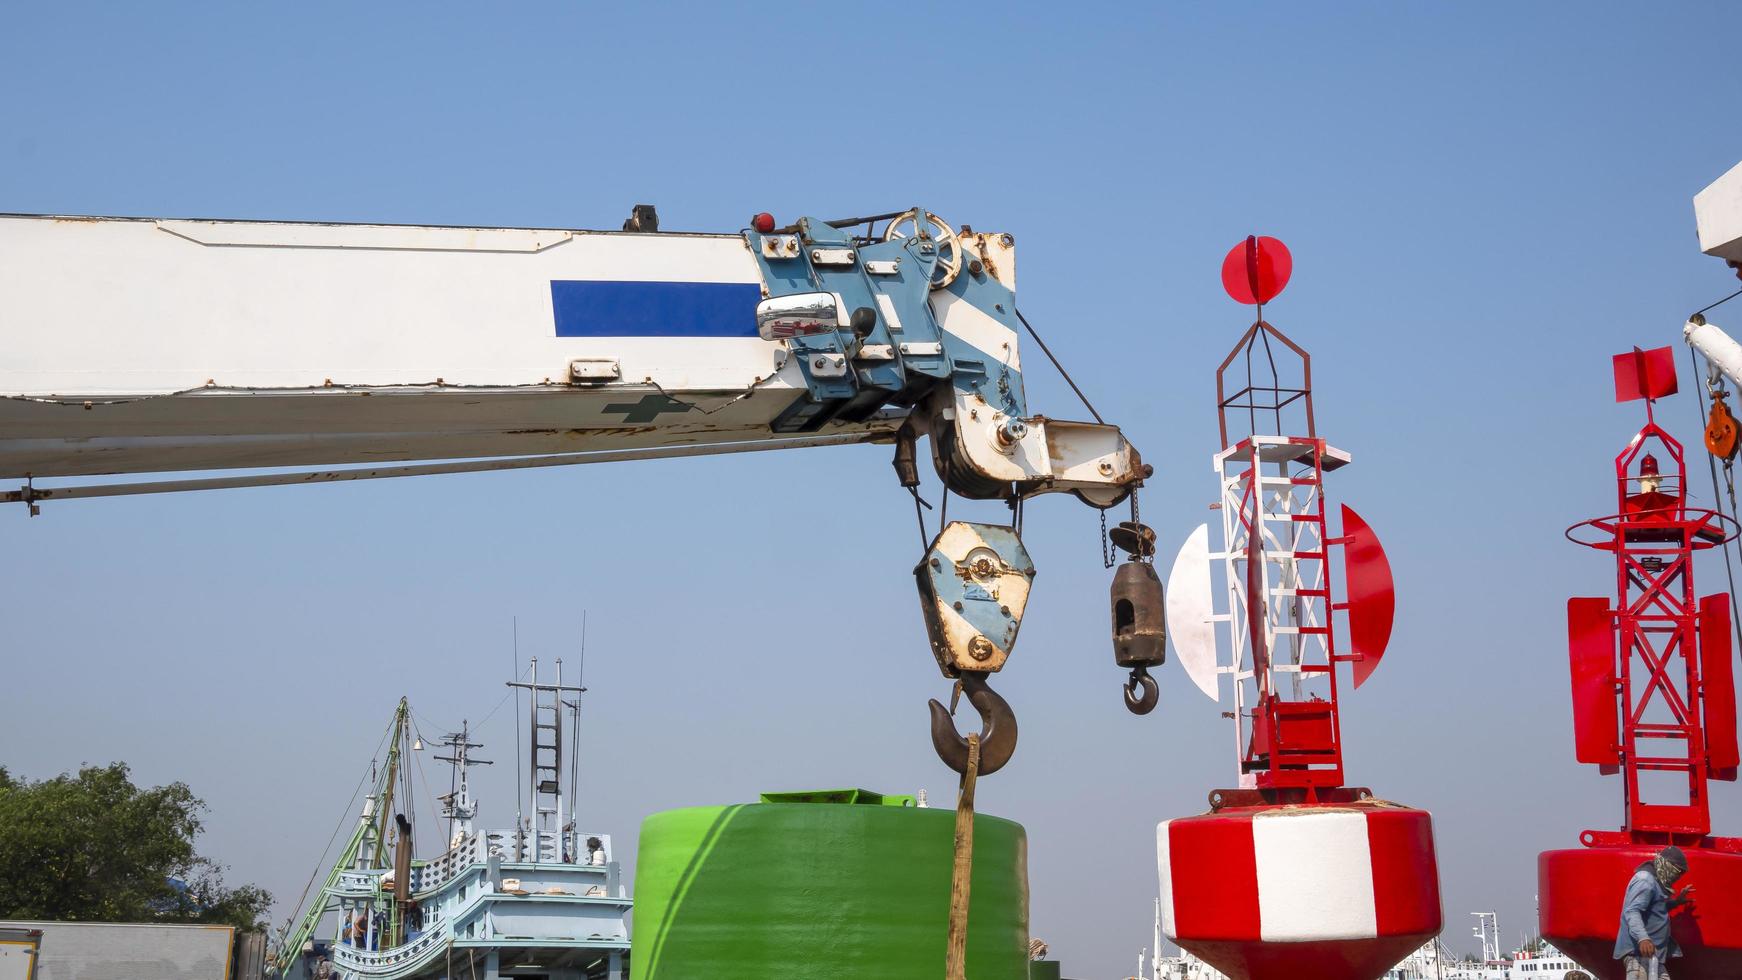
(116, 951)
(18, 951)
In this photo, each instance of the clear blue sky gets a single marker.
(1484, 202)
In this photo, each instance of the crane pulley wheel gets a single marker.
(1721, 429)
(949, 263)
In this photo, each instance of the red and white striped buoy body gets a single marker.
(1339, 890)
(1293, 875)
(1579, 893)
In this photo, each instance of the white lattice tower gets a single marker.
(1272, 486)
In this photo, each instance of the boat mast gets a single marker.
(355, 855)
(1155, 949)
(458, 804)
(575, 734)
(545, 759)
(384, 809)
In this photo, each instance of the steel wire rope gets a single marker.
(505, 697)
(1718, 303)
(919, 515)
(575, 734)
(429, 721)
(516, 692)
(338, 827)
(434, 810)
(1044, 349)
(1717, 497)
(423, 778)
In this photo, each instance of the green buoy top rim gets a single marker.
(849, 804)
(860, 797)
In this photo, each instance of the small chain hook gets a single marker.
(1145, 703)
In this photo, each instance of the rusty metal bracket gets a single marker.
(997, 728)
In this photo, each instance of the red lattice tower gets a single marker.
(1654, 700)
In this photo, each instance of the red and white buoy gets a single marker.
(1291, 873)
(1654, 700)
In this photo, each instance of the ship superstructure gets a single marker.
(539, 895)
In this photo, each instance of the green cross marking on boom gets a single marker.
(648, 408)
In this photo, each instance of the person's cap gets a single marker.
(1674, 855)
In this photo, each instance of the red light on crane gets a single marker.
(763, 222)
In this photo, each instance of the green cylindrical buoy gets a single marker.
(843, 884)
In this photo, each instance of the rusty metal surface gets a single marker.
(1139, 616)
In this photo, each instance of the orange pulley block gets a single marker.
(1721, 429)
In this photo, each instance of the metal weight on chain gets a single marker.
(1139, 615)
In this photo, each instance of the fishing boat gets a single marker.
(540, 898)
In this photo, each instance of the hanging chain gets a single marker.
(1137, 528)
(1106, 551)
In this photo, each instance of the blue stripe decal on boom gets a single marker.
(600, 308)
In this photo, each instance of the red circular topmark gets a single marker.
(1256, 270)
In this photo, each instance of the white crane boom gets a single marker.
(1718, 218)
(140, 345)
(147, 345)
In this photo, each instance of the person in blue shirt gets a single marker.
(1644, 939)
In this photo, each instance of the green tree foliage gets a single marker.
(94, 847)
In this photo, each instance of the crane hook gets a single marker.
(997, 728)
(1141, 705)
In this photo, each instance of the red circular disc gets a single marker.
(1256, 270)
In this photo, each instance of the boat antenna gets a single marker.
(518, 795)
(458, 805)
(575, 729)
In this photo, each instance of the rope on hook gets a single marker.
(962, 871)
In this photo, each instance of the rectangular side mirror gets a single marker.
(799, 314)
